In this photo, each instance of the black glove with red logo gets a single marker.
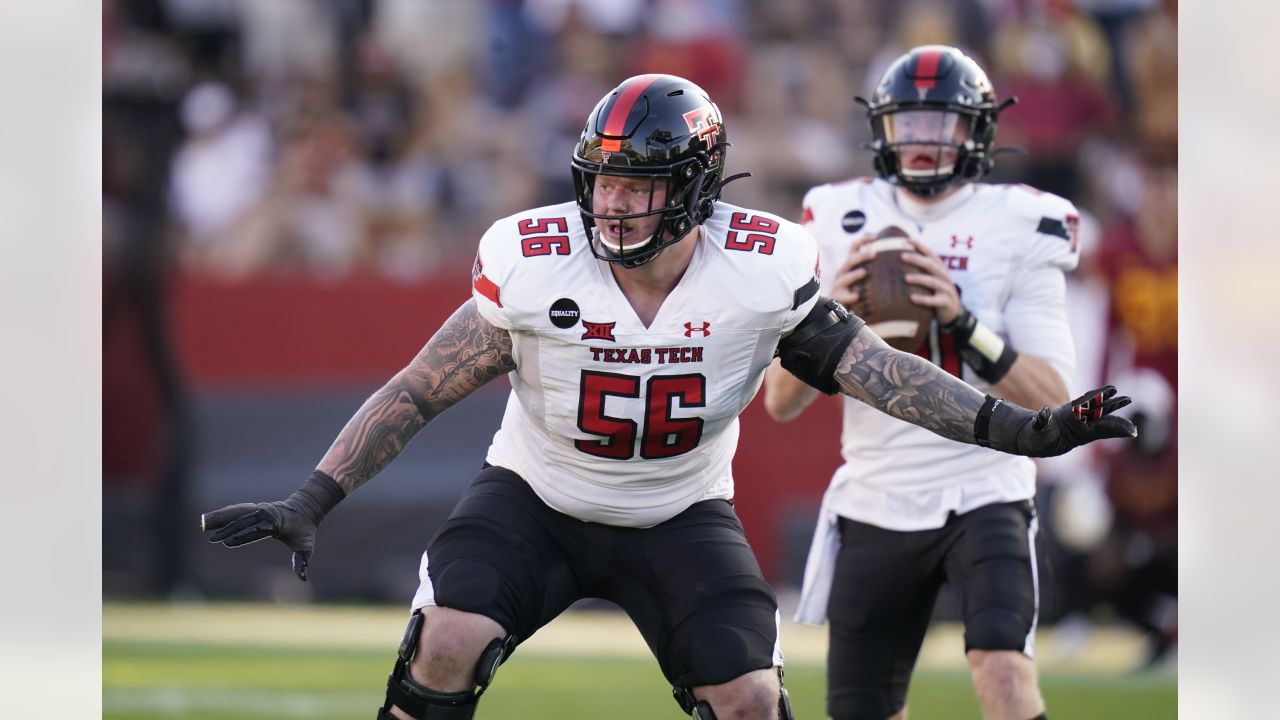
(1052, 431)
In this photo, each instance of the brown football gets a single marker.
(884, 300)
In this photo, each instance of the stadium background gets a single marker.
(292, 193)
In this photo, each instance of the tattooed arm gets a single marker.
(833, 351)
(910, 388)
(465, 353)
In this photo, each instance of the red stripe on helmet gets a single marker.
(617, 120)
(927, 69)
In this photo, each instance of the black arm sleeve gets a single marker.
(812, 351)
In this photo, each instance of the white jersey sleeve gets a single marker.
(495, 263)
(1035, 315)
(830, 255)
(801, 274)
(1056, 222)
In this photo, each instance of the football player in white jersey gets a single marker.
(635, 324)
(909, 509)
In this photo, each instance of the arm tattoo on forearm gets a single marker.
(908, 387)
(465, 353)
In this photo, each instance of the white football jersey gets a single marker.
(613, 422)
(1006, 247)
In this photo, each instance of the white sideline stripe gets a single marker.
(894, 328)
(1029, 647)
(173, 701)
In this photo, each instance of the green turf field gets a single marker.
(156, 665)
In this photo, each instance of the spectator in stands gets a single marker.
(219, 173)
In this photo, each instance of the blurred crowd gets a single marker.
(327, 139)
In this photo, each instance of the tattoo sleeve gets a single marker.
(465, 353)
(908, 387)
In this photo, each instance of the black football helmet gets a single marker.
(660, 127)
(937, 101)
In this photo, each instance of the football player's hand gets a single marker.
(1087, 418)
(933, 285)
(852, 272)
(241, 524)
(292, 521)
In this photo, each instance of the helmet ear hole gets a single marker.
(882, 161)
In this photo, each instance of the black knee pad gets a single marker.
(422, 702)
(996, 630)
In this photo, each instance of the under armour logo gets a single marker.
(689, 329)
(957, 242)
(598, 331)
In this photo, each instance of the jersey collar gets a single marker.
(927, 212)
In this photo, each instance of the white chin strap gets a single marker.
(619, 248)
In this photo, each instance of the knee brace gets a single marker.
(701, 709)
(784, 700)
(422, 702)
(695, 708)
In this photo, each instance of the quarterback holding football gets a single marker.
(908, 509)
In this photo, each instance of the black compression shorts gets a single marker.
(691, 584)
(884, 590)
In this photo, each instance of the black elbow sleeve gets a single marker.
(812, 351)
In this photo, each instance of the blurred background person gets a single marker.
(906, 512)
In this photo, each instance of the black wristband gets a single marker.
(982, 424)
(1001, 425)
(981, 348)
(317, 496)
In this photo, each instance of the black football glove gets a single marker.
(293, 521)
(1053, 431)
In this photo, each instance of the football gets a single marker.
(884, 300)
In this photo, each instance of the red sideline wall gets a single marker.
(303, 333)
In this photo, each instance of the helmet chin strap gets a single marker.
(620, 248)
(942, 170)
(617, 252)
